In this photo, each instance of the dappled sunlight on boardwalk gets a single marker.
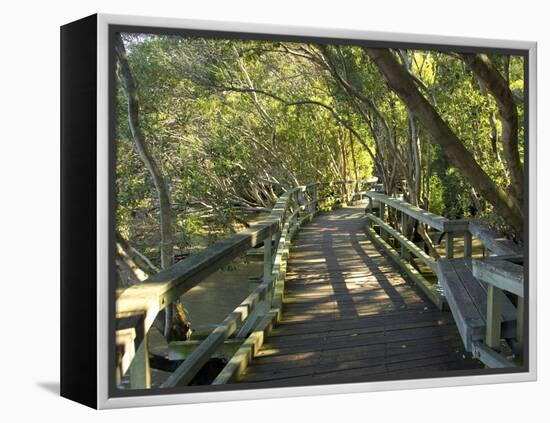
(349, 314)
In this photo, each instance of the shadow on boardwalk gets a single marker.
(349, 315)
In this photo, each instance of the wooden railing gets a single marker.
(378, 203)
(141, 303)
(500, 272)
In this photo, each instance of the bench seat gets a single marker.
(467, 299)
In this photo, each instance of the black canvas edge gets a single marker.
(78, 267)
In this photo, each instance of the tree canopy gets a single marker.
(209, 132)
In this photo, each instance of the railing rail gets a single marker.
(148, 298)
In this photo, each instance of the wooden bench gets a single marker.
(467, 299)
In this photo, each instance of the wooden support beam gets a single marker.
(140, 371)
(181, 350)
(489, 357)
(370, 206)
(449, 245)
(492, 239)
(435, 221)
(500, 272)
(403, 232)
(467, 244)
(190, 367)
(267, 258)
(242, 357)
(494, 301)
(520, 321)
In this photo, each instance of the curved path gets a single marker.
(349, 315)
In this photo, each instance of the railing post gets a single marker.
(383, 233)
(267, 257)
(140, 371)
(449, 245)
(494, 300)
(315, 197)
(467, 244)
(519, 321)
(370, 208)
(403, 231)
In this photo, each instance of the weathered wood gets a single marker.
(467, 244)
(431, 290)
(468, 300)
(239, 361)
(490, 357)
(405, 243)
(354, 337)
(382, 210)
(140, 371)
(129, 335)
(181, 350)
(341, 318)
(164, 287)
(311, 357)
(324, 288)
(403, 320)
(478, 293)
(403, 229)
(190, 367)
(492, 331)
(358, 363)
(267, 258)
(449, 245)
(500, 272)
(492, 239)
(157, 292)
(440, 223)
(520, 321)
(469, 320)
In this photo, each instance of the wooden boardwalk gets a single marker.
(349, 315)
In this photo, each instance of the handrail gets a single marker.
(438, 222)
(492, 239)
(148, 298)
(501, 272)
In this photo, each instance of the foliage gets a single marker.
(436, 198)
(234, 123)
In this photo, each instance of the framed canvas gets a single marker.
(254, 211)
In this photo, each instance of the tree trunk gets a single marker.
(166, 227)
(496, 84)
(414, 188)
(403, 85)
(354, 160)
(137, 258)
